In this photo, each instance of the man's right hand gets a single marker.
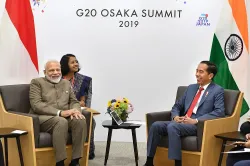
(82, 103)
(67, 113)
(248, 136)
(179, 119)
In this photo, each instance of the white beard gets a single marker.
(53, 80)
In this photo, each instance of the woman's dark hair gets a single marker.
(65, 64)
(245, 127)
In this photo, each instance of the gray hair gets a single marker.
(51, 61)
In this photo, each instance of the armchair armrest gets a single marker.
(157, 116)
(200, 128)
(209, 125)
(36, 124)
(88, 116)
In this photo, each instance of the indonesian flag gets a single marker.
(18, 50)
(230, 51)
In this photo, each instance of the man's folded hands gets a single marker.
(72, 113)
(185, 119)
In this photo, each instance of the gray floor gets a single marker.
(120, 154)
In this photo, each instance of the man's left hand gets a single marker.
(188, 120)
(77, 114)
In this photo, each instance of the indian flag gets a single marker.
(18, 50)
(230, 51)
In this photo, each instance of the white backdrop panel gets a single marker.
(145, 63)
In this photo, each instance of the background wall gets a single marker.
(146, 63)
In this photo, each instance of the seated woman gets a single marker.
(82, 87)
(245, 127)
(242, 163)
(240, 159)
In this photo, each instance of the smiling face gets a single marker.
(73, 64)
(53, 71)
(202, 75)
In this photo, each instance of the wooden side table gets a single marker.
(6, 133)
(231, 136)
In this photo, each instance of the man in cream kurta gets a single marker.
(59, 111)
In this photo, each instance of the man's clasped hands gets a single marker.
(72, 113)
(185, 119)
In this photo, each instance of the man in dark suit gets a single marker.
(204, 100)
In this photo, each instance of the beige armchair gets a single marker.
(36, 146)
(202, 149)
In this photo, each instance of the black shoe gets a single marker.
(178, 163)
(149, 162)
(74, 164)
(91, 156)
(60, 163)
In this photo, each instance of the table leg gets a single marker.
(6, 151)
(222, 150)
(1, 154)
(108, 146)
(19, 150)
(135, 146)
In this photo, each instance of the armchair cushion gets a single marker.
(230, 98)
(157, 116)
(16, 97)
(187, 143)
(180, 91)
(200, 128)
(46, 140)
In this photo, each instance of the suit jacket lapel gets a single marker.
(206, 93)
(191, 97)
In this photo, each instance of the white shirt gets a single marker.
(202, 92)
